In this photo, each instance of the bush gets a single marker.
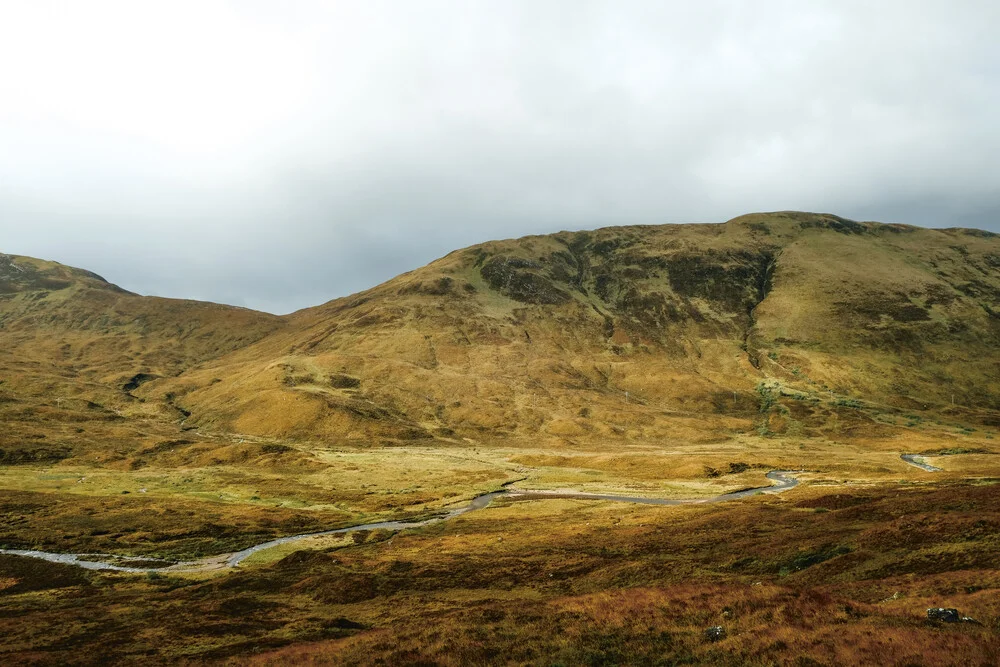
(766, 396)
(849, 403)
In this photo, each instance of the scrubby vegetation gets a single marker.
(677, 362)
(569, 582)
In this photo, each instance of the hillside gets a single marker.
(673, 331)
(622, 398)
(104, 329)
(74, 347)
(837, 329)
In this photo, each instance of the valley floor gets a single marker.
(839, 570)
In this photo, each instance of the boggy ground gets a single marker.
(819, 575)
(196, 496)
(839, 570)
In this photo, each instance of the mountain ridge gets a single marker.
(654, 362)
(691, 302)
(547, 336)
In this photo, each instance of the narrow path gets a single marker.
(783, 478)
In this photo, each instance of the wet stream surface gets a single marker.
(783, 480)
(918, 461)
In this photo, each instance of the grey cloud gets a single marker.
(311, 152)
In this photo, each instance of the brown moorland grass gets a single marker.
(673, 361)
(835, 576)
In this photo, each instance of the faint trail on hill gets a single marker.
(783, 479)
(918, 461)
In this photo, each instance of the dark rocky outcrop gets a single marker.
(514, 277)
(949, 615)
(944, 615)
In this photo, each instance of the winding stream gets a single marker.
(919, 462)
(782, 479)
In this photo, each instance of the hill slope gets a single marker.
(771, 322)
(74, 347)
(673, 362)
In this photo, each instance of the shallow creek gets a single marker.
(783, 480)
(919, 462)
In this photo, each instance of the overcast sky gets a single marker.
(278, 154)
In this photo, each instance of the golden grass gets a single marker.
(442, 384)
(564, 581)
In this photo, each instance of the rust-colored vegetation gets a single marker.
(675, 362)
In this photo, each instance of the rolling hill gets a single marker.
(629, 363)
(638, 332)
(73, 347)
